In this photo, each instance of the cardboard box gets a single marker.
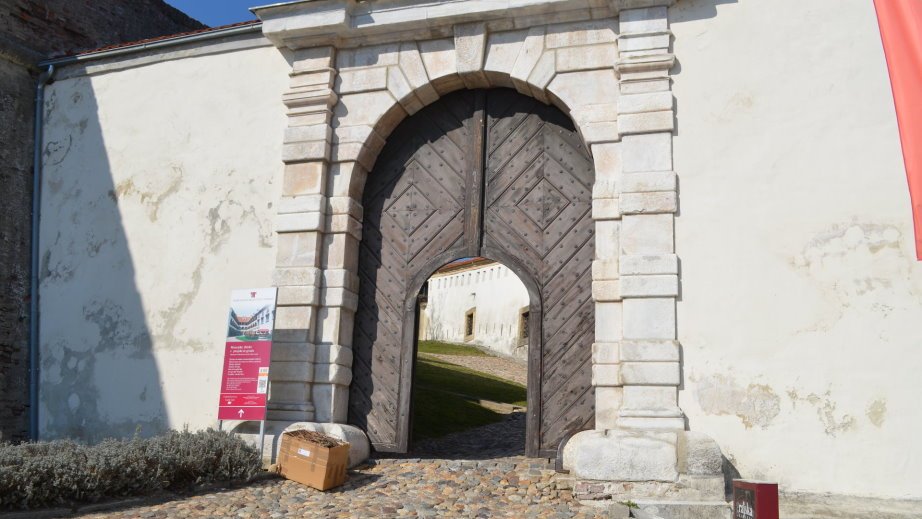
(312, 464)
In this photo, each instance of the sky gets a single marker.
(219, 12)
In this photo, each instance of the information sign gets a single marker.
(755, 500)
(247, 350)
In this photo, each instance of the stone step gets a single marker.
(685, 509)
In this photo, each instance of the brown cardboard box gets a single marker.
(309, 463)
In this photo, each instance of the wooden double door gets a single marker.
(487, 173)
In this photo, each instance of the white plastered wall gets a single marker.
(801, 297)
(498, 297)
(159, 187)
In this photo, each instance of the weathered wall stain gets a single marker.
(153, 197)
(165, 334)
(70, 403)
(266, 234)
(853, 266)
(54, 271)
(754, 405)
(56, 151)
(117, 332)
(877, 412)
(825, 411)
(739, 105)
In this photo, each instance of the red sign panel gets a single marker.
(248, 348)
(755, 500)
(245, 381)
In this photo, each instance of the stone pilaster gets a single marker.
(635, 273)
(636, 369)
(302, 219)
(339, 295)
(648, 368)
(606, 284)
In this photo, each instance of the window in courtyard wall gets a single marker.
(469, 324)
(523, 326)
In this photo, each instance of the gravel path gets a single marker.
(514, 370)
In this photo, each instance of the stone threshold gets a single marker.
(509, 464)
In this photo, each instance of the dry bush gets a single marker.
(63, 472)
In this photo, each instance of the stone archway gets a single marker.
(480, 172)
(360, 68)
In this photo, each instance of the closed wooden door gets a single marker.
(478, 173)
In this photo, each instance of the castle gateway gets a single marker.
(761, 318)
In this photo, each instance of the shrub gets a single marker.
(64, 472)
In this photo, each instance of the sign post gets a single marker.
(247, 351)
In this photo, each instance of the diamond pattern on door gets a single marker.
(410, 210)
(543, 203)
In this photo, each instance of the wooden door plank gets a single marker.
(414, 205)
(538, 209)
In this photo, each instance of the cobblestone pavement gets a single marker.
(509, 369)
(478, 473)
(398, 488)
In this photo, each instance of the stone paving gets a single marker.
(479, 473)
(401, 489)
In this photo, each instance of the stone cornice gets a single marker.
(307, 23)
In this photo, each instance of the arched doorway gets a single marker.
(478, 173)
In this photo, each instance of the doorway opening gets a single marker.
(471, 367)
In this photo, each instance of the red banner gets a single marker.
(901, 31)
(247, 352)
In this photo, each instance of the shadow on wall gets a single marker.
(688, 10)
(99, 377)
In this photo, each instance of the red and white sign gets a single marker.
(755, 500)
(247, 350)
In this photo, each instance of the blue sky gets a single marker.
(219, 12)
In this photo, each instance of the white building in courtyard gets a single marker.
(478, 302)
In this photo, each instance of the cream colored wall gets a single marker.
(159, 188)
(498, 296)
(801, 299)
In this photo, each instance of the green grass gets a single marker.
(436, 414)
(434, 374)
(438, 411)
(444, 348)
